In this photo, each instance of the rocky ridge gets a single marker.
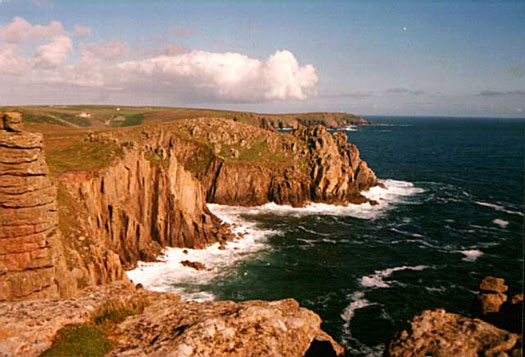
(156, 324)
(308, 165)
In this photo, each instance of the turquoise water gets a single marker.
(365, 275)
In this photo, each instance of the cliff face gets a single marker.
(132, 209)
(332, 172)
(329, 120)
(32, 262)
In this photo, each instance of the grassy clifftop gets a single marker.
(99, 116)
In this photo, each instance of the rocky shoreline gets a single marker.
(68, 235)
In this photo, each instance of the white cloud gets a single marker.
(38, 55)
(21, 30)
(81, 31)
(54, 53)
(111, 50)
(10, 62)
(227, 76)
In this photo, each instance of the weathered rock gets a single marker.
(12, 121)
(491, 305)
(491, 302)
(167, 326)
(439, 333)
(134, 208)
(493, 284)
(194, 265)
(32, 261)
(335, 173)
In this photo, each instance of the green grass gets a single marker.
(79, 340)
(41, 119)
(114, 314)
(131, 120)
(82, 156)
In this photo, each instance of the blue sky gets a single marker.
(462, 58)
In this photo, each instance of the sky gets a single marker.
(453, 58)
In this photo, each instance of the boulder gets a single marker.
(440, 333)
(12, 121)
(194, 265)
(493, 284)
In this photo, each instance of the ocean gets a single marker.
(451, 214)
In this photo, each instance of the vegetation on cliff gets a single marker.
(99, 116)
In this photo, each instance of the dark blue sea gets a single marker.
(451, 215)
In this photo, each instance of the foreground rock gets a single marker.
(161, 324)
(440, 333)
(32, 261)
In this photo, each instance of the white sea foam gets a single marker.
(376, 280)
(501, 222)
(168, 275)
(471, 254)
(498, 208)
(393, 192)
(357, 301)
(348, 128)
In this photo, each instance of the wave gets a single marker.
(304, 229)
(348, 128)
(498, 208)
(501, 222)
(168, 275)
(357, 301)
(376, 280)
(471, 254)
(394, 192)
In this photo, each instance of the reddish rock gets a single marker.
(32, 261)
(194, 265)
(493, 284)
(440, 333)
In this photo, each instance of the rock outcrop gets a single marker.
(328, 170)
(493, 306)
(32, 262)
(132, 209)
(440, 333)
(161, 324)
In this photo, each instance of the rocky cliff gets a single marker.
(316, 167)
(117, 320)
(132, 209)
(32, 261)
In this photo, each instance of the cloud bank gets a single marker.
(48, 55)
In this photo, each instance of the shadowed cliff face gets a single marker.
(32, 263)
(134, 208)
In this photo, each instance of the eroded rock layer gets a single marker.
(160, 324)
(328, 170)
(132, 209)
(32, 263)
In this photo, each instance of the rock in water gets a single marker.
(194, 265)
(440, 333)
